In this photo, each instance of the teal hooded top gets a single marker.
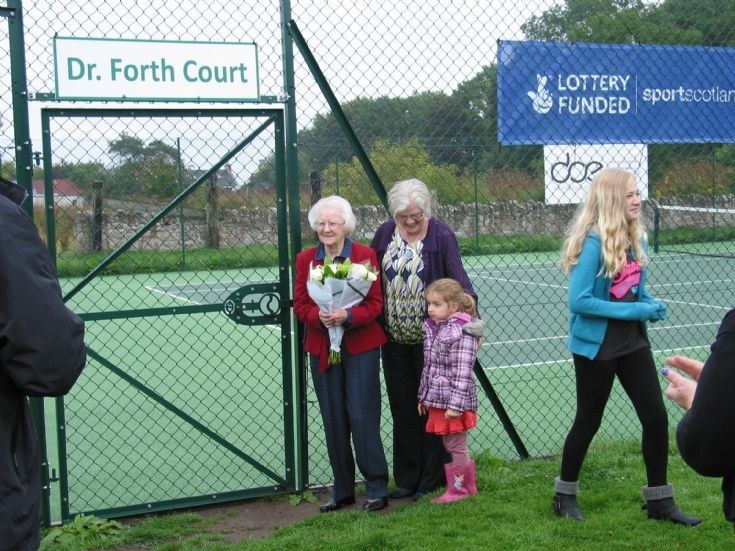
(589, 301)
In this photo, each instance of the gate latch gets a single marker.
(254, 304)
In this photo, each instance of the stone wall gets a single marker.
(255, 226)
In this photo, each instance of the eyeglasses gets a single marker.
(329, 225)
(403, 218)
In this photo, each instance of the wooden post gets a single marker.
(315, 184)
(97, 216)
(211, 213)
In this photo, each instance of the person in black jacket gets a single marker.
(706, 433)
(41, 354)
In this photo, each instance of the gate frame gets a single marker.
(291, 416)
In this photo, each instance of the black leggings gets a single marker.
(637, 374)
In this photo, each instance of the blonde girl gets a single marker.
(605, 258)
(447, 392)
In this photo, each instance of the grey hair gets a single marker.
(339, 203)
(409, 192)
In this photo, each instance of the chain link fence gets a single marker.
(418, 83)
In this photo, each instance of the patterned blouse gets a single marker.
(403, 283)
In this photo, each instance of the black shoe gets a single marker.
(375, 504)
(400, 493)
(565, 506)
(334, 504)
(666, 509)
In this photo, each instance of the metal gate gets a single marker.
(187, 397)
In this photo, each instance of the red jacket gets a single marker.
(363, 334)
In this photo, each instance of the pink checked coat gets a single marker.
(449, 355)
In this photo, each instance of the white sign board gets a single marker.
(569, 169)
(150, 70)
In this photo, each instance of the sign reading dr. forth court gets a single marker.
(150, 70)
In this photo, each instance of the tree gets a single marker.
(394, 162)
(149, 169)
(440, 122)
(82, 174)
(479, 97)
(713, 21)
(129, 148)
(7, 169)
(608, 21)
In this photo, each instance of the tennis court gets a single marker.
(171, 405)
(228, 376)
(536, 293)
(525, 354)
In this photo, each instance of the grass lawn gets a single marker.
(512, 511)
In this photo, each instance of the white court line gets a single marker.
(658, 258)
(568, 360)
(177, 297)
(205, 289)
(506, 280)
(523, 341)
(519, 265)
(209, 289)
(690, 283)
(697, 209)
(679, 349)
(532, 364)
(559, 337)
(715, 306)
(682, 326)
(678, 258)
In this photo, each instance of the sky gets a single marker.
(365, 49)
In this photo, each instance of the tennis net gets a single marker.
(697, 230)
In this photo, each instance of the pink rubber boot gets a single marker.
(456, 484)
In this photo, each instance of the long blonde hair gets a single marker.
(603, 210)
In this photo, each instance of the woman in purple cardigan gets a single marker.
(413, 250)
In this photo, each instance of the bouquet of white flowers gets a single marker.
(339, 285)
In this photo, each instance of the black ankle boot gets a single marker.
(666, 509)
(564, 502)
(661, 506)
(565, 506)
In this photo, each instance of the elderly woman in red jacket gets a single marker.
(348, 392)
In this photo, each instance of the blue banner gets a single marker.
(561, 93)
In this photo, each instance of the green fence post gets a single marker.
(338, 113)
(301, 446)
(19, 88)
(24, 176)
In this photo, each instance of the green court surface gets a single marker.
(525, 354)
(125, 448)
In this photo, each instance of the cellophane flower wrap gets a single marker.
(338, 285)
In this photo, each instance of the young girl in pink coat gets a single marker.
(447, 392)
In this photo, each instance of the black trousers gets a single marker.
(637, 374)
(418, 456)
(349, 400)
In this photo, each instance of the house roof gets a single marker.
(224, 177)
(62, 186)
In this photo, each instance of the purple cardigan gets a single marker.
(440, 252)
